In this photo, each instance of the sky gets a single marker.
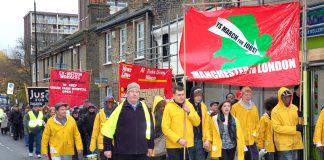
(12, 13)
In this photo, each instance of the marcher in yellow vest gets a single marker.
(179, 118)
(131, 127)
(318, 138)
(265, 133)
(247, 113)
(60, 135)
(101, 117)
(202, 134)
(227, 134)
(287, 131)
(35, 123)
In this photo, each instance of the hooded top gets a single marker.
(157, 117)
(284, 120)
(106, 110)
(197, 130)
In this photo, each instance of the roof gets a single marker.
(51, 13)
(120, 20)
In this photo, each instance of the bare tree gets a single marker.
(21, 61)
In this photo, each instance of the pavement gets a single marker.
(16, 150)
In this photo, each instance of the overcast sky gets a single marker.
(12, 13)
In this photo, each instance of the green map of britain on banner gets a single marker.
(241, 37)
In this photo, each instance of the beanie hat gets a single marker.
(91, 106)
(133, 85)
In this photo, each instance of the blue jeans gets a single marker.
(197, 151)
(31, 138)
(88, 145)
(252, 153)
(269, 156)
(287, 155)
(26, 138)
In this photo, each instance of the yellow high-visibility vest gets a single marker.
(33, 121)
(110, 125)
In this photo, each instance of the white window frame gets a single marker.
(122, 43)
(38, 73)
(34, 73)
(109, 91)
(109, 49)
(62, 54)
(140, 51)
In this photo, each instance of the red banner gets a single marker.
(247, 46)
(70, 87)
(147, 78)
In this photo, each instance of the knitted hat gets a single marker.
(133, 85)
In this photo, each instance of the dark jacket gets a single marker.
(16, 117)
(87, 123)
(197, 130)
(130, 134)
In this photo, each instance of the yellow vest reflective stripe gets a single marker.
(33, 121)
(110, 125)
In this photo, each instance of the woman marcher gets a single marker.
(4, 124)
(265, 133)
(50, 113)
(227, 135)
(159, 140)
(75, 115)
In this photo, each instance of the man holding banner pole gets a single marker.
(174, 114)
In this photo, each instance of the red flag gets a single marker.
(248, 46)
(147, 78)
(69, 87)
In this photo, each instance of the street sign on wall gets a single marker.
(10, 88)
(315, 21)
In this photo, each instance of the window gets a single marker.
(38, 66)
(62, 58)
(57, 58)
(140, 40)
(165, 49)
(109, 91)
(34, 72)
(122, 44)
(72, 58)
(44, 68)
(79, 58)
(108, 54)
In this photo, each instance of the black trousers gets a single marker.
(228, 154)
(17, 131)
(177, 154)
(130, 157)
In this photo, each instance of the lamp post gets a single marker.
(36, 64)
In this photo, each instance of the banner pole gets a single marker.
(184, 78)
(118, 78)
(26, 90)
